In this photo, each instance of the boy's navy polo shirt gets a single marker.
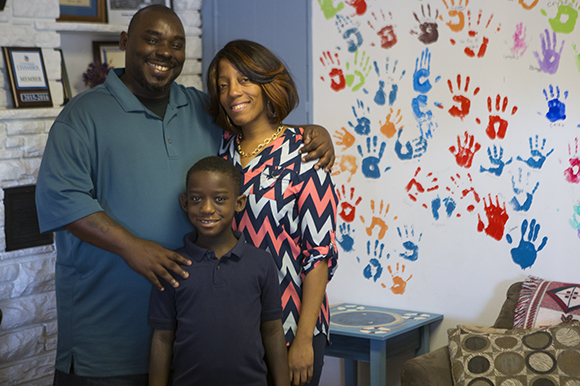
(216, 314)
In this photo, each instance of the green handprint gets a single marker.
(566, 13)
(360, 70)
(328, 8)
(577, 57)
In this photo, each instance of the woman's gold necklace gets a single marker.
(260, 146)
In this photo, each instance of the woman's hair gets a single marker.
(260, 66)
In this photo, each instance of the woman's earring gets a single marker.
(229, 121)
(271, 110)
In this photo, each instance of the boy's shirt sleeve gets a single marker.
(162, 312)
(271, 302)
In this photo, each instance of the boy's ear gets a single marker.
(241, 202)
(183, 201)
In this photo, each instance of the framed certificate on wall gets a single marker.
(120, 12)
(82, 10)
(27, 77)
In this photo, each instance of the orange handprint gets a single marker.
(464, 102)
(464, 152)
(344, 139)
(389, 129)
(346, 163)
(399, 284)
(455, 11)
(377, 221)
(496, 218)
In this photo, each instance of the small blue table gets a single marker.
(375, 334)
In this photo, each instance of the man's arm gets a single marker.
(276, 352)
(161, 357)
(145, 257)
(318, 145)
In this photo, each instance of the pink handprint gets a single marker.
(496, 218)
(572, 174)
(496, 124)
(347, 207)
(386, 34)
(344, 138)
(520, 41)
(464, 102)
(337, 79)
(464, 152)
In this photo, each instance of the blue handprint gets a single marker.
(380, 95)
(496, 160)
(412, 149)
(422, 71)
(556, 109)
(363, 124)
(370, 163)
(416, 104)
(350, 32)
(537, 158)
(410, 243)
(449, 203)
(525, 254)
(520, 187)
(574, 223)
(374, 269)
(346, 240)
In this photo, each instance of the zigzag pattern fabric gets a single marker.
(291, 213)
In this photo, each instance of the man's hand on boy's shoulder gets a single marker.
(318, 145)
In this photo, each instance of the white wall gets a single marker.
(462, 264)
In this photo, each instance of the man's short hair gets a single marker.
(220, 165)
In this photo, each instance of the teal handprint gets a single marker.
(525, 253)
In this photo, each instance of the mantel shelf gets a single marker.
(8, 114)
(80, 27)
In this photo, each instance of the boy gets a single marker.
(216, 326)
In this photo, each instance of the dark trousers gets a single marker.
(64, 379)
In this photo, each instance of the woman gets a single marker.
(291, 207)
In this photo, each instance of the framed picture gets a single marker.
(109, 52)
(82, 10)
(121, 11)
(27, 77)
(66, 91)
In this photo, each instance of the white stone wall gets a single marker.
(28, 331)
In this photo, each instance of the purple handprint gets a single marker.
(550, 60)
(525, 254)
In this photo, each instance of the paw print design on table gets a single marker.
(496, 125)
(464, 103)
(399, 284)
(415, 316)
(527, 4)
(523, 191)
(374, 269)
(474, 44)
(363, 124)
(496, 160)
(497, 217)
(360, 71)
(348, 204)
(520, 42)
(456, 17)
(549, 61)
(414, 148)
(537, 157)
(385, 31)
(410, 243)
(378, 219)
(328, 8)
(556, 108)
(565, 20)
(346, 240)
(465, 151)
(572, 173)
(344, 138)
(414, 187)
(371, 160)
(449, 204)
(464, 186)
(360, 6)
(427, 31)
(345, 164)
(336, 75)
(391, 79)
(391, 127)
(574, 223)
(349, 32)
(525, 253)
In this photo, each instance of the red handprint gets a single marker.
(337, 80)
(347, 210)
(496, 124)
(360, 6)
(464, 153)
(464, 102)
(465, 187)
(419, 187)
(472, 40)
(387, 33)
(496, 217)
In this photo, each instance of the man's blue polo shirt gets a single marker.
(216, 314)
(107, 152)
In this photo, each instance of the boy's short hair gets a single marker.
(220, 165)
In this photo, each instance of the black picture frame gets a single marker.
(109, 52)
(27, 77)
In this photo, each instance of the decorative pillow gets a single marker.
(482, 356)
(544, 303)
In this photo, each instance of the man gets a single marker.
(109, 185)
